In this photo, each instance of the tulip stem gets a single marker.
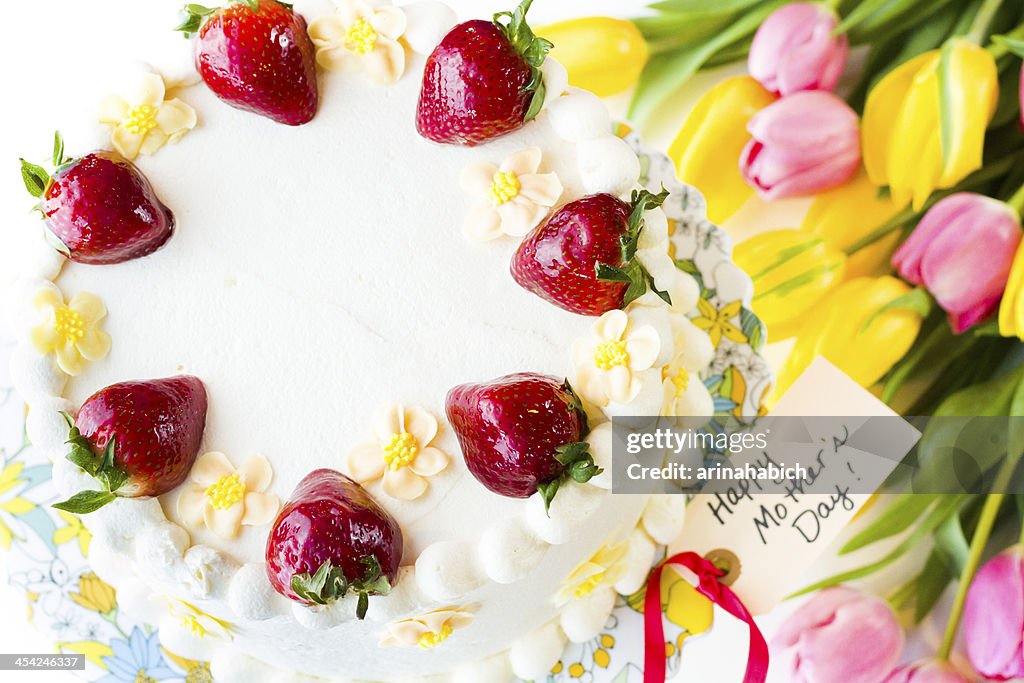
(978, 542)
(982, 20)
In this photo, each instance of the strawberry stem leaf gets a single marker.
(373, 582)
(532, 48)
(323, 587)
(35, 178)
(577, 405)
(101, 468)
(84, 502)
(58, 150)
(195, 15)
(578, 465)
(631, 270)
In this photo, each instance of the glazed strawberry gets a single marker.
(256, 55)
(483, 80)
(583, 257)
(137, 439)
(100, 208)
(331, 538)
(521, 434)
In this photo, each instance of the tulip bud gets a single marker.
(961, 251)
(994, 617)
(801, 145)
(849, 329)
(792, 270)
(601, 54)
(795, 49)
(1011, 310)
(839, 636)
(928, 671)
(708, 147)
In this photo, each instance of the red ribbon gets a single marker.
(714, 590)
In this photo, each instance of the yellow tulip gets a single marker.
(848, 213)
(791, 270)
(901, 134)
(601, 54)
(837, 329)
(1011, 309)
(707, 150)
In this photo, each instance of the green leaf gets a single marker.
(896, 519)
(84, 502)
(58, 149)
(547, 492)
(531, 48)
(930, 584)
(1013, 45)
(610, 273)
(323, 587)
(194, 17)
(951, 541)
(35, 178)
(859, 14)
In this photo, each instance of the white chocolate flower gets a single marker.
(513, 198)
(428, 630)
(609, 363)
(145, 121)
(196, 621)
(401, 453)
(684, 391)
(362, 36)
(70, 331)
(603, 569)
(223, 498)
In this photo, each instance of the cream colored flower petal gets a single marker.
(256, 473)
(583, 351)
(483, 223)
(327, 31)
(149, 90)
(350, 11)
(44, 338)
(389, 22)
(421, 424)
(523, 162)
(460, 619)
(126, 142)
(337, 58)
(403, 484)
(612, 325)
(385, 63)
(407, 633)
(435, 621)
(365, 463)
(386, 423)
(260, 508)
(519, 216)
(154, 140)
(191, 506)
(113, 110)
(543, 189)
(89, 306)
(175, 116)
(620, 384)
(225, 523)
(48, 297)
(429, 462)
(69, 359)
(592, 385)
(95, 345)
(476, 178)
(643, 345)
(210, 467)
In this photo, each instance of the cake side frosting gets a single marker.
(370, 276)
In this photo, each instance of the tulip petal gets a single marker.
(969, 83)
(994, 617)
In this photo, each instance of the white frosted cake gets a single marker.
(321, 289)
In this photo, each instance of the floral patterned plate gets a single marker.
(48, 550)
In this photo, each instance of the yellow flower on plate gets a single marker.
(513, 197)
(145, 120)
(10, 477)
(608, 363)
(74, 529)
(362, 37)
(1011, 309)
(717, 322)
(71, 331)
(401, 454)
(223, 498)
(426, 631)
(95, 594)
(601, 570)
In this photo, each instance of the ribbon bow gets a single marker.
(714, 590)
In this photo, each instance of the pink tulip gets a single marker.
(796, 50)
(994, 617)
(801, 144)
(928, 671)
(839, 636)
(962, 251)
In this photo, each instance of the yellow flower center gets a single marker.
(192, 623)
(360, 37)
(142, 677)
(611, 354)
(429, 640)
(400, 450)
(141, 119)
(504, 188)
(587, 587)
(226, 492)
(69, 324)
(682, 381)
